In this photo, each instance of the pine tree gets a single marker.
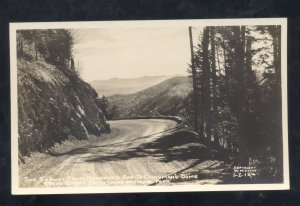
(103, 104)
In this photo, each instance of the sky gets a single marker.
(132, 52)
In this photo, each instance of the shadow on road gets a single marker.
(79, 150)
(212, 175)
(174, 145)
(87, 148)
(180, 146)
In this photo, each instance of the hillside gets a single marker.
(166, 98)
(54, 105)
(53, 102)
(125, 86)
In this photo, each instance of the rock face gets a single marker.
(54, 104)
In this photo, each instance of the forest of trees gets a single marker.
(237, 93)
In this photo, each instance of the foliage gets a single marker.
(109, 110)
(238, 84)
(53, 45)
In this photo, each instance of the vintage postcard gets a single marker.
(149, 106)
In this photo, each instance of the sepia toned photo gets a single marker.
(149, 106)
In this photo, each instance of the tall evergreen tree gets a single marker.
(230, 91)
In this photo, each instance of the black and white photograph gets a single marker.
(149, 106)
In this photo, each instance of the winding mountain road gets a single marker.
(136, 152)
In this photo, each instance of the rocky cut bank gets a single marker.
(53, 102)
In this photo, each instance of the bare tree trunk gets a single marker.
(214, 85)
(36, 52)
(239, 46)
(206, 85)
(21, 46)
(248, 55)
(195, 95)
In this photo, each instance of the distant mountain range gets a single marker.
(125, 86)
(169, 97)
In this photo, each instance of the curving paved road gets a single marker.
(112, 160)
(137, 152)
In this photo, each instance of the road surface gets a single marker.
(136, 152)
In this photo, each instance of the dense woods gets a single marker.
(53, 45)
(237, 83)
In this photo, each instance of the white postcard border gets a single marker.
(145, 24)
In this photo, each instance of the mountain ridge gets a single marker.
(115, 86)
(166, 98)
